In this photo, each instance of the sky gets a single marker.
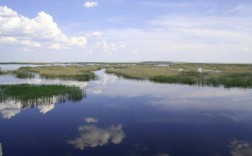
(212, 31)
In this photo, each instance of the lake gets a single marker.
(129, 118)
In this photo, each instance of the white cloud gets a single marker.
(7, 12)
(90, 4)
(34, 32)
(17, 41)
(188, 38)
(92, 136)
(57, 46)
(96, 34)
(107, 47)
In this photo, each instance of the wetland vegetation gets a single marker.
(27, 93)
(24, 74)
(109, 103)
(72, 72)
(227, 75)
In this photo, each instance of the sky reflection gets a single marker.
(93, 136)
(172, 96)
(159, 120)
(10, 108)
(240, 148)
(9, 79)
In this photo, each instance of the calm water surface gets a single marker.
(128, 117)
(15, 66)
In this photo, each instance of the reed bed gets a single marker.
(78, 73)
(192, 74)
(28, 92)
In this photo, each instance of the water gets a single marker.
(15, 66)
(130, 117)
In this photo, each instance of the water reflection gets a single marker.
(1, 150)
(93, 136)
(91, 120)
(240, 148)
(16, 66)
(168, 120)
(10, 79)
(10, 108)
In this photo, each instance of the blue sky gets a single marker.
(126, 30)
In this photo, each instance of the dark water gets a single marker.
(128, 117)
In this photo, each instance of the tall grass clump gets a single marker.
(4, 72)
(189, 78)
(28, 92)
(24, 74)
(239, 80)
(229, 80)
(85, 76)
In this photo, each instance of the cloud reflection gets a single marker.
(240, 148)
(93, 136)
(46, 108)
(91, 120)
(10, 108)
(1, 150)
(10, 79)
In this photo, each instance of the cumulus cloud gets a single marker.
(7, 12)
(14, 40)
(57, 46)
(92, 136)
(90, 4)
(96, 34)
(107, 47)
(34, 32)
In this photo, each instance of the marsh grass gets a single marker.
(24, 74)
(181, 78)
(227, 75)
(211, 75)
(140, 71)
(28, 92)
(5, 72)
(85, 76)
(226, 80)
(229, 80)
(78, 73)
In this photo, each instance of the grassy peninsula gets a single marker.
(72, 72)
(227, 75)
